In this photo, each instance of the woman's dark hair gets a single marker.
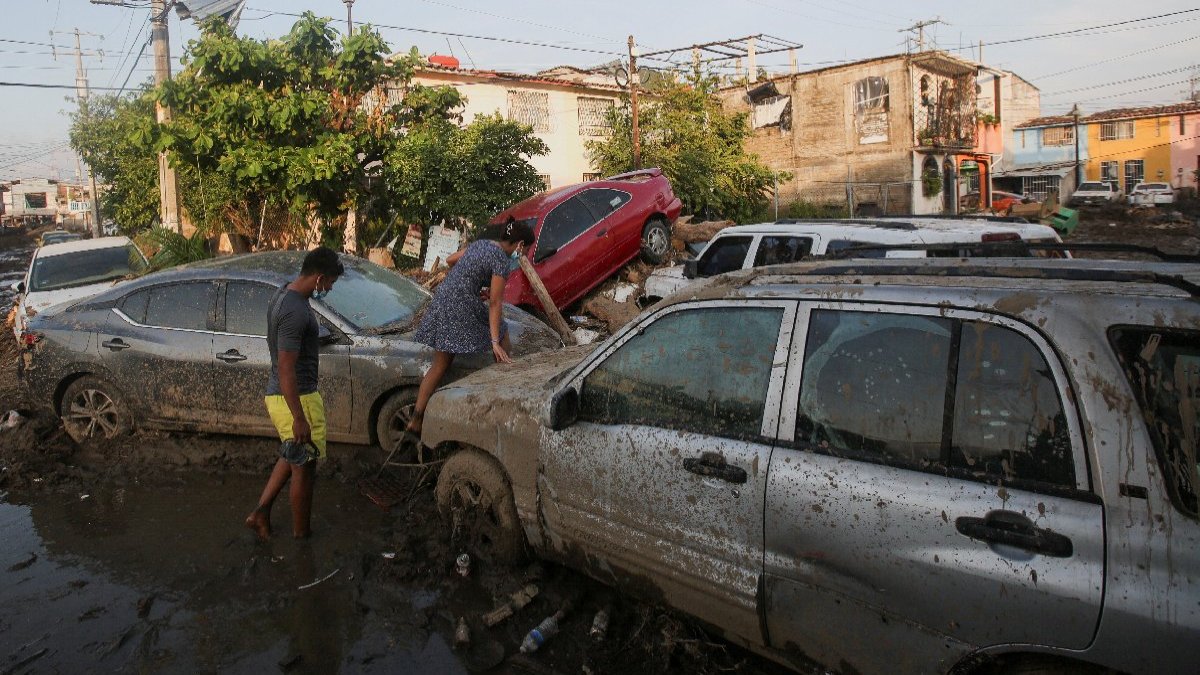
(322, 260)
(510, 231)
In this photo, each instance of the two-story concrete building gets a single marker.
(1131, 145)
(566, 107)
(1043, 157)
(1185, 147)
(885, 135)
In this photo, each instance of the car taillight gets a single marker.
(30, 338)
(1000, 236)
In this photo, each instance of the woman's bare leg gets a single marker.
(429, 384)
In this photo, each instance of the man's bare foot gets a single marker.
(260, 523)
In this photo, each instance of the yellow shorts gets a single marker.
(314, 412)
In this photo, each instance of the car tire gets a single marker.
(92, 409)
(656, 241)
(394, 416)
(476, 499)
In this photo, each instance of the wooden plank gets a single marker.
(557, 322)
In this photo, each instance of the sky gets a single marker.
(1136, 63)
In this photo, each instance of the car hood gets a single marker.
(665, 281)
(40, 301)
(498, 396)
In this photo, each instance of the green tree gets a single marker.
(698, 145)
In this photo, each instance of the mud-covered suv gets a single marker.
(884, 466)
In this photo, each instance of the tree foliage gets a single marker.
(699, 146)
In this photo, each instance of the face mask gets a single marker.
(515, 255)
(318, 293)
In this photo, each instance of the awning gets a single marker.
(1059, 170)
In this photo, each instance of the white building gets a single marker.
(566, 110)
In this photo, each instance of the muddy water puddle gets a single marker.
(164, 579)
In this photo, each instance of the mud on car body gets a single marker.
(882, 466)
(186, 348)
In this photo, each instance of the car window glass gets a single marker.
(180, 306)
(567, 221)
(874, 385)
(134, 305)
(699, 370)
(80, 268)
(724, 255)
(843, 244)
(1163, 369)
(372, 297)
(603, 201)
(1008, 419)
(246, 306)
(780, 250)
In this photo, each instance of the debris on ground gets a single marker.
(10, 420)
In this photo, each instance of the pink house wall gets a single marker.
(1185, 150)
(989, 139)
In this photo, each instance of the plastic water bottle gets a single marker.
(538, 636)
(600, 625)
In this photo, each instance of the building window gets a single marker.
(871, 110)
(1053, 136)
(1110, 173)
(530, 107)
(1135, 172)
(545, 177)
(593, 116)
(1116, 131)
(589, 177)
(1039, 187)
(35, 200)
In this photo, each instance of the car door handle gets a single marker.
(711, 465)
(1014, 529)
(116, 344)
(231, 356)
(601, 233)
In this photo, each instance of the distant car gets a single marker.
(1001, 201)
(586, 232)
(73, 270)
(1093, 193)
(186, 348)
(58, 237)
(746, 246)
(1152, 194)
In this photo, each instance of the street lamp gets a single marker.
(1075, 113)
(349, 20)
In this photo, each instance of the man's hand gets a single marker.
(300, 430)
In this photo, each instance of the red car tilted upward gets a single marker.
(586, 232)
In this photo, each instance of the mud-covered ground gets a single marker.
(132, 557)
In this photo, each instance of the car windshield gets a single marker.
(1098, 187)
(1154, 186)
(80, 268)
(372, 298)
(1163, 368)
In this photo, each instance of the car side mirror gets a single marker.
(691, 268)
(18, 287)
(543, 253)
(326, 336)
(564, 409)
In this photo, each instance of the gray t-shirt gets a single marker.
(292, 327)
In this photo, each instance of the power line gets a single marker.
(524, 21)
(1066, 33)
(1117, 82)
(42, 85)
(1135, 91)
(1116, 58)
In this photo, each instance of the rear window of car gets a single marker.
(80, 268)
(1154, 186)
(1163, 369)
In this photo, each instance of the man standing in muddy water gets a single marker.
(292, 399)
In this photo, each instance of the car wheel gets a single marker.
(93, 409)
(656, 241)
(475, 497)
(394, 416)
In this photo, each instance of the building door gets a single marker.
(949, 187)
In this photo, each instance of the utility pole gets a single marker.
(919, 27)
(751, 61)
(168, 197)
(633, 102)
(81, 94)
(350, 231)
(349, 17)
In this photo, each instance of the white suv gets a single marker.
(747, 246)
(1152, 194)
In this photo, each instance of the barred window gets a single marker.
(593, 115)
(871, 104)
(1116, 131)
(1058, 136)
(530, 107)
